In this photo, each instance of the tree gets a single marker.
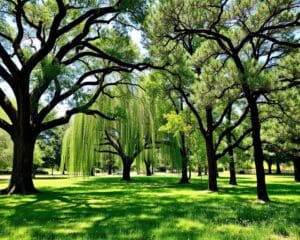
(126, 137)
(55, 57)
(248, 32)
(50, 144)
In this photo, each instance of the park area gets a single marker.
(149, 119)
(154, 207)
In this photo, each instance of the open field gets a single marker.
(151, 208)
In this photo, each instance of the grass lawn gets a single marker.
(151, 208)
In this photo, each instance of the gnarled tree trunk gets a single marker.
(21, 178)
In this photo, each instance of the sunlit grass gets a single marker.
(151, 208)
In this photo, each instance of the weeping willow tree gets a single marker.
(132, 136)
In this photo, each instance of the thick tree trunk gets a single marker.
(190, 172)
(297, 169)
(126, 170)
(21, 178)
(262, 193)
(278, 170)
(210, 152)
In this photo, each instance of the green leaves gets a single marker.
(176, 123)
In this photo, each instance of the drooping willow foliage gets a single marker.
(135, 130)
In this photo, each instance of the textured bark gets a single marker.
(21, 178)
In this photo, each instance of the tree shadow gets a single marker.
(156, 208)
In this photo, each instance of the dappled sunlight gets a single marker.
(149, 208)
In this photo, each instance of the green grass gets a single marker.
(151, 208)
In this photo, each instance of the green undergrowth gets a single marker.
(154, 207)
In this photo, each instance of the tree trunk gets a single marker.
(278, 170)
(212, 168)
(262, 193)
(126, 170)
(184, 161)
(199, 170)
(190, 172)
(205, 171)
(297, 169)
(269, 166)
(110, 169)
(210, 152)
(21, 178)
(148, 168)
(184, 171)
(232, 174)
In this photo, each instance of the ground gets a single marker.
(151, 208)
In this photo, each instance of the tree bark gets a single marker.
(297, 169)
(262, 193)
(278, 170)
(210, 152)
(190, 172)
(21, 178)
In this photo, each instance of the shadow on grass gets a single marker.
(145, 208)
